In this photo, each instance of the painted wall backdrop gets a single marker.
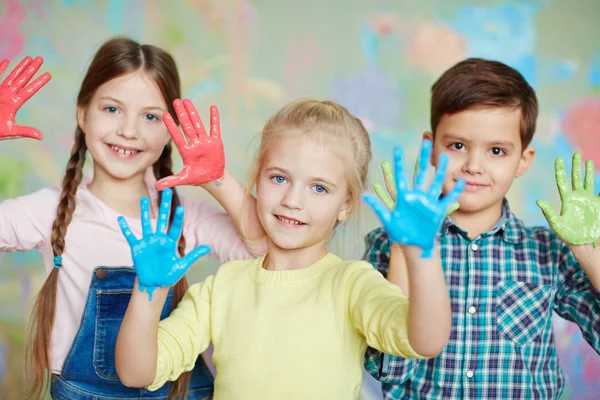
(378, 58)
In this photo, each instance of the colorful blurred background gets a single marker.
(378, 58)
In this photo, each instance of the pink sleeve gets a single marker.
(207, 224)
(26, 221)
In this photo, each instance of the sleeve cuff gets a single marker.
(409, 352)
(405, 349)
(163, 369)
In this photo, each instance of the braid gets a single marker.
(42, 317)
(66, 205)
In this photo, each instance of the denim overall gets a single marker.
(89, 371)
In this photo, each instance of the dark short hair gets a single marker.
(478, 83)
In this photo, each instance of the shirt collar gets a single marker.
(509, 226)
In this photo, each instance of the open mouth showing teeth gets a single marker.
(119, 150)
(289, 221)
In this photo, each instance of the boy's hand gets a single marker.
(579, 219)
(203, 155)
(388, 178)
(155, 256)
(417, 215)
(578, 224)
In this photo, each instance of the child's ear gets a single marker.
(429, 136)
(345, 210)
(525, 161)
(81, 117)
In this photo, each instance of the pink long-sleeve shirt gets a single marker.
(94, 239)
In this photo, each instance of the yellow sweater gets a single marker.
(299, 334)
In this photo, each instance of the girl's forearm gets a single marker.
(136, 349)
(430, 319)
(241, 206)
(397, 271)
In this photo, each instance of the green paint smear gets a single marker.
(12, 174)
(579, 219)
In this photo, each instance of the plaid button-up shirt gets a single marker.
(503, 286)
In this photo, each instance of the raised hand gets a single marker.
(388, 178)
(417, 215)
(579, 219)
(155, 256)
(388, 198)
(13, 93)
(203, 155)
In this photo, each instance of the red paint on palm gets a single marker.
(203, 155)
(14, 93)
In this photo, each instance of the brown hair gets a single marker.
(330, 124)
(116, 57)
(478, 83)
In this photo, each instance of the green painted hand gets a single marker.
(387, 196)
(579, 219)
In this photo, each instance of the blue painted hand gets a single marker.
(417, 215)
(155, 256)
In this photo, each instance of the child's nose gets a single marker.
(292, 199)
(473, 164)
(128, 129)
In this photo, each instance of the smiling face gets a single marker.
(302, 192)
(484, 149)
(123, 127)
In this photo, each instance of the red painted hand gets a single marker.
(13, 93)
(203, 155)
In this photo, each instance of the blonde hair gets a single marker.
(330, 124)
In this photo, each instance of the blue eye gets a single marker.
(111, 109)
(151, 117)
(320, 189)
(278, 179)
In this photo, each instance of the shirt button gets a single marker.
(474, 247)
(472, 310)
(470, 374)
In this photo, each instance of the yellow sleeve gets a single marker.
(379, 310)
(184, 334)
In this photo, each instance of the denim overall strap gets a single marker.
(89, 371)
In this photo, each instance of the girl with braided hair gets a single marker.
(75, 320)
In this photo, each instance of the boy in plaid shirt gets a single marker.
(504, 279)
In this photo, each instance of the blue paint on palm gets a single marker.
(155, 256)
(418, 214)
